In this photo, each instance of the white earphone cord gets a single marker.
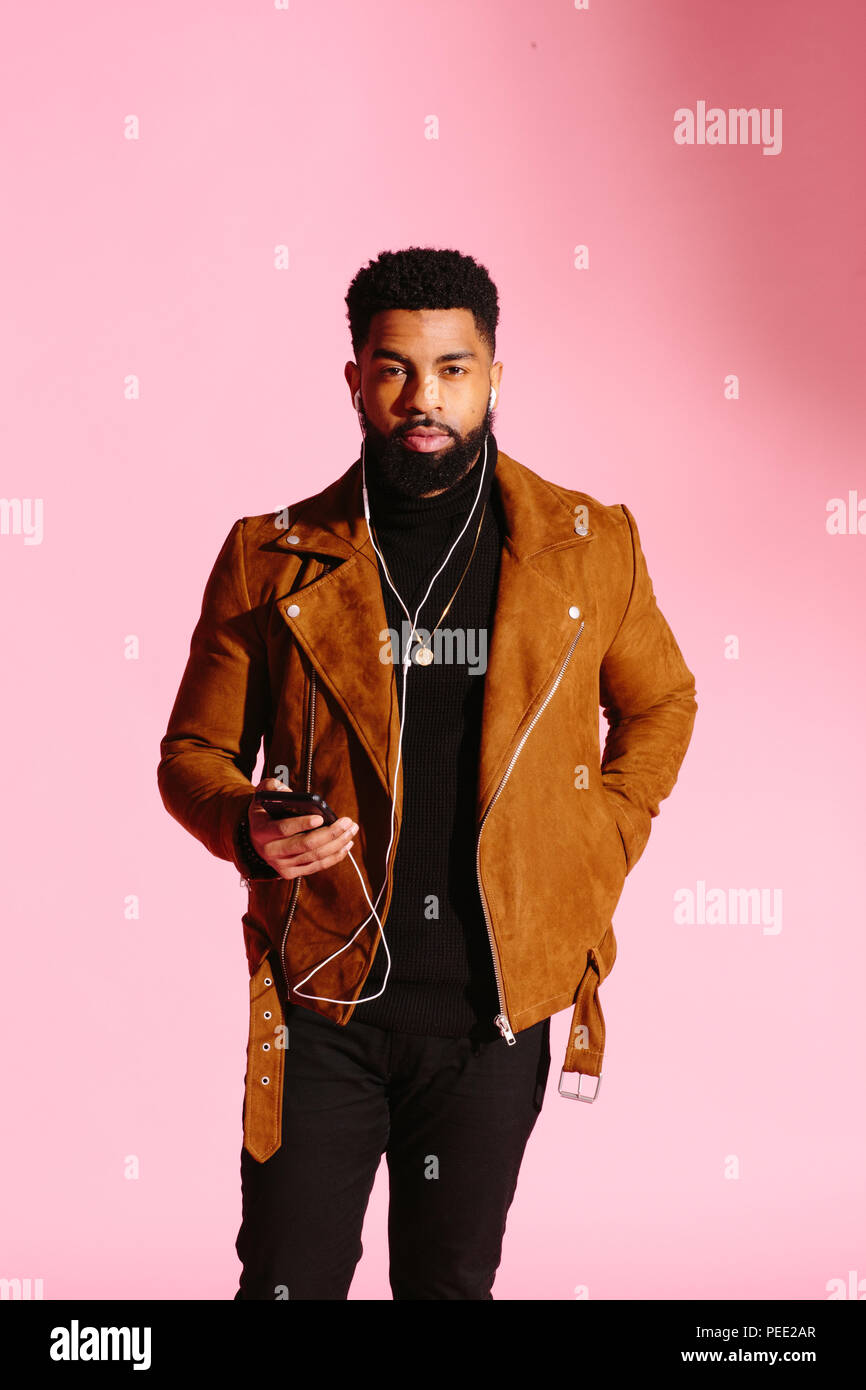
(324, 998)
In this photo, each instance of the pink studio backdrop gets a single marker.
(154, 258)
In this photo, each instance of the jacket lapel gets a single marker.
(533, 628)
(341, 616)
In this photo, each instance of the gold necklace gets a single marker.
(424, 655)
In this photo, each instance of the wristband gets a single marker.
(250, 853)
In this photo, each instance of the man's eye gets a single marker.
(452, 368)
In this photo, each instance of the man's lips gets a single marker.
(425, 441)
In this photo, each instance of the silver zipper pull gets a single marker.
(505, 1028)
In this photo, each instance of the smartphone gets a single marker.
(279, 804)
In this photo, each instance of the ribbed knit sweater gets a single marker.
(441, 980)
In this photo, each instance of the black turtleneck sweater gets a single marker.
(441, 980)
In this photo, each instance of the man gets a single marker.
(424, 644)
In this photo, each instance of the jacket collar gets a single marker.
(343, 612)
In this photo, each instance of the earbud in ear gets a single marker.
(357, 400)
(492, 398)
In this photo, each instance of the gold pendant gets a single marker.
(423, 656)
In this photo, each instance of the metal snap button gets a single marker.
(268, 980)
(266, 1047)
(267, 1013)
(293, 610)
(293, 540)
(265, 1080)
(574, 611)
(581, 529)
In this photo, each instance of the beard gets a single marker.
(392, 464)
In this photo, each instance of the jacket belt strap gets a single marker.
(585, 1050)
(265, 1065)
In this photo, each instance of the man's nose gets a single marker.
(424, 395)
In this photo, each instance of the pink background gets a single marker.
(261, 127)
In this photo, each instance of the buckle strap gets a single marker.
(584, 1052)
(263, 1098)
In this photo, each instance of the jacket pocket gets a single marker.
(620, 841)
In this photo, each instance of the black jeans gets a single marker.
(453, 1118)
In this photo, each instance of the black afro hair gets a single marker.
(422, 278)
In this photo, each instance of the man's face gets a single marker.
(425, 378)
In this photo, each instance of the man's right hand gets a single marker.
(291, 845)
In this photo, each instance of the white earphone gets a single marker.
(406, 663)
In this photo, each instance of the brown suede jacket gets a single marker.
(288, 649)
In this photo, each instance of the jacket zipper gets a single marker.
(297, 887)
(501, 1019)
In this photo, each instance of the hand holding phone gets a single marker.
(297, 833)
